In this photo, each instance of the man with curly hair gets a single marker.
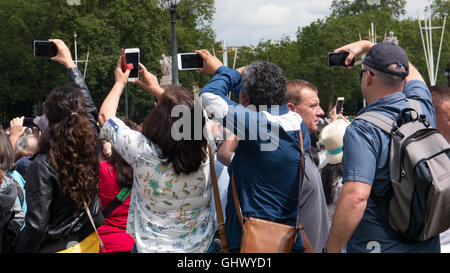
(266, 163)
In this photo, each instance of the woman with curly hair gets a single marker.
(170, 208)
(62, 179)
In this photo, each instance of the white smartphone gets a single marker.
(339, 104)
(132, 56)
(189, 61)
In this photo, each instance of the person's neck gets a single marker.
(379, 93)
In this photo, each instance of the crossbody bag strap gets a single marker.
(298, 226)
(237, 205)
(301, 173)
(119, 199)
(88, 211)
(220, 219)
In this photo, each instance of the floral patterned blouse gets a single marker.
(168, 212)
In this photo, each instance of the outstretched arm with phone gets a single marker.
(355, 49)
(75, 78)
(108, 109)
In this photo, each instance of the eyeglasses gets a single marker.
(362, 72)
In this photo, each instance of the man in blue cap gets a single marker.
(359, 225)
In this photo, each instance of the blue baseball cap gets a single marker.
(382, 55)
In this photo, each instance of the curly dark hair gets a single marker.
(186, 155)
(264, 83)
(70, 142)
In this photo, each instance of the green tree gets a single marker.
(306, 57)
(440, 7)
(103, 27)
(342, 8)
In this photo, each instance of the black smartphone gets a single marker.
(189, 61)
(45, 49)
(338, 59)
(28, 122)
(339, 104)
(132, 56)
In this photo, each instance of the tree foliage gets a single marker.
(342, 8)
(307, 56)
(102, 27)
(105, 26)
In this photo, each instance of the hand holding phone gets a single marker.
(63, 55)
(190, 61)
(149, 81)
(339, 105)
(132, 56)
(338, 59)
(45, 49)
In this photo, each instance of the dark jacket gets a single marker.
(51, 224)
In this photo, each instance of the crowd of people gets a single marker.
(85, 180)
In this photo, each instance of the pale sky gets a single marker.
(246, 22)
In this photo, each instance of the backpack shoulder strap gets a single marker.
(414, 104)
(379, 120)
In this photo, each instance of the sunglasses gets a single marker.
(362, 72)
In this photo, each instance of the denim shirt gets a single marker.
(366, 159)
(267, 159)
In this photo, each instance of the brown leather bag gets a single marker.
(262, 236)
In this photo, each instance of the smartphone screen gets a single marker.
(28, 122)
(133, 58)
(191, 61)
(339, 104)
(338, 59)
(45, 49)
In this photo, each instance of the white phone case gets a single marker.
(133, 50)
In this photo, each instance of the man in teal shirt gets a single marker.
(387, 80)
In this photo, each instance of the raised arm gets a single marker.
(16, 131)
(75, 78)
(414, 74)
(109, 107)
(355, 49)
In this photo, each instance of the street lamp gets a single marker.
(447, 73)
(172, 6)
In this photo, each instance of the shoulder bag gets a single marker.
(263, 236)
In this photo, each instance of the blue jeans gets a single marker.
(211, 248)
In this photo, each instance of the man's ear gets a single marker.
(369, 79)
(244, 100)
(291, 106)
